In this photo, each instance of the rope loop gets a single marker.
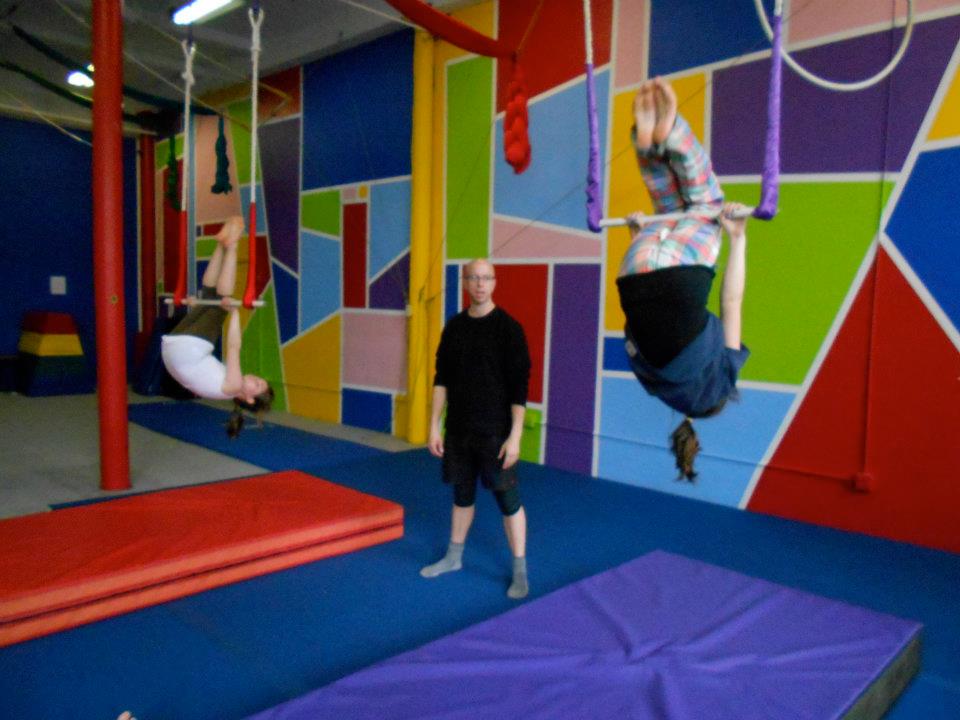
(256, 20)
(189, 50)
(830, 84)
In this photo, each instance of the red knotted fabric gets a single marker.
(516, 141)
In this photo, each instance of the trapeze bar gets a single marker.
(711, 213)
(213, 303)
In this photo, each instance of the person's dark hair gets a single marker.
(685, 445)
(259, 407)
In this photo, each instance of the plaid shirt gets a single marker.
(679, 177)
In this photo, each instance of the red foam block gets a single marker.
(53, 323)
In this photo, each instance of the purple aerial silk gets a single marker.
(770, 182)
(594, 192)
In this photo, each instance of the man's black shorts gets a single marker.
(467, 457)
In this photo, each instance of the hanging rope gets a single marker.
(188, 53)
(221, 185)
(830, 84)
(594, 190)
(770, 179)
(516, 141)
(179, 294)
(284, 97)
(255, 14)
(173, 197)
(516, 120)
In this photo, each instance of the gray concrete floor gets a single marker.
(49, 452)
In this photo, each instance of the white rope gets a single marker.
(256, 19)
(588, 30)
(710, 213)
(830, 84)
(188, 51)
(132, 58)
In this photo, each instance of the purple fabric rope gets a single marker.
(770, 182)
(594, 211)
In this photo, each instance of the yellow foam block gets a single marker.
(49, 345)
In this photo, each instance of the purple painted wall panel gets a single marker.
(573, 367)
(280, 168)
(825, 131)
(389, 291)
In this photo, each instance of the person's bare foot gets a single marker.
(231, 231)
(665, 100)
(645, 114)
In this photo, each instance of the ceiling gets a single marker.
(293, 32)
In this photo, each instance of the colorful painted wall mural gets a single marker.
(850, 401)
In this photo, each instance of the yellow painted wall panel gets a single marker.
(947, 122)
(312, 372)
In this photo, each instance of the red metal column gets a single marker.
(108, 244)
(148, 244)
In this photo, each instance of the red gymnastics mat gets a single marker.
(73, 566)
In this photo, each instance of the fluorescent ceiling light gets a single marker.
(202, 10)
(81, 79)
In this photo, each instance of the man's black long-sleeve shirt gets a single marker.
(485, 366)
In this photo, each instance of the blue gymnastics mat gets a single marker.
(274, 447)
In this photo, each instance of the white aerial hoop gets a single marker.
(830, 84)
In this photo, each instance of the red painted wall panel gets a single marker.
(262, 276)
(522, 292)
(900, 428)
(355, 255)
(559, 25)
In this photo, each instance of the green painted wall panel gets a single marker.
(161, 151)
(241, 140)
(532, 432)
(320, 211)
(205, 248)
(260, 351)
(799, 269)
(469, 119)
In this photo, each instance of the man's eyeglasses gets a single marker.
(478, 278)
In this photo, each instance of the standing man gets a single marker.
(483, 369)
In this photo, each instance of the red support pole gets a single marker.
(148, 243)
(107, 44)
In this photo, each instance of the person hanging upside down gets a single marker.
(187, 350)
(680, 352)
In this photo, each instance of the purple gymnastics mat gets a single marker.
(659, 637)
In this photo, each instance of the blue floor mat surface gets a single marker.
(235, 650)
(273, 446)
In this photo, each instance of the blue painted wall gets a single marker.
(46, 206)
(358, 113)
